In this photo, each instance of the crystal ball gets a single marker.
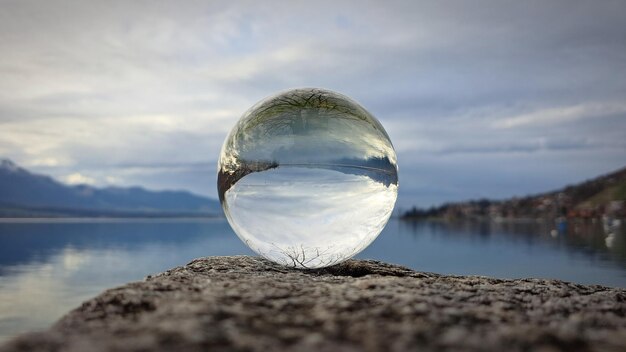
(307, 178)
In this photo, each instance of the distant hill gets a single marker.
(605, 195)
(24, 194)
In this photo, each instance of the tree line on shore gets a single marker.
(602, 196)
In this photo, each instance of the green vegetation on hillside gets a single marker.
(605, 195)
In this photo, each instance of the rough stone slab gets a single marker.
(249, 304)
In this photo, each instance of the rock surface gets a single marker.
(249, 304)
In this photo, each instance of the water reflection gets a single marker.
(508, 250)
(48, 268)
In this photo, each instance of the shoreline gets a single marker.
(104, 219)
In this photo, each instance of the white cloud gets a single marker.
(115, 89)
(560, 114)
(46, 162)
(79, 179)
(112, 180)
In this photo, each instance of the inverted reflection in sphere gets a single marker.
(307, 178)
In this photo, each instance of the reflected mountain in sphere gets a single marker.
(307, 178)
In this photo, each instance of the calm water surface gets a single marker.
(50, 267)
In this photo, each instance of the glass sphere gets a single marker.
(307, 178)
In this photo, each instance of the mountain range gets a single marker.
(603, 196)
(26, 194)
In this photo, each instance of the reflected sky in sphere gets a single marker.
(308, 178)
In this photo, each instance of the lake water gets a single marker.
(49, 267)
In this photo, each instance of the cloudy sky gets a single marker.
(480, 98)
